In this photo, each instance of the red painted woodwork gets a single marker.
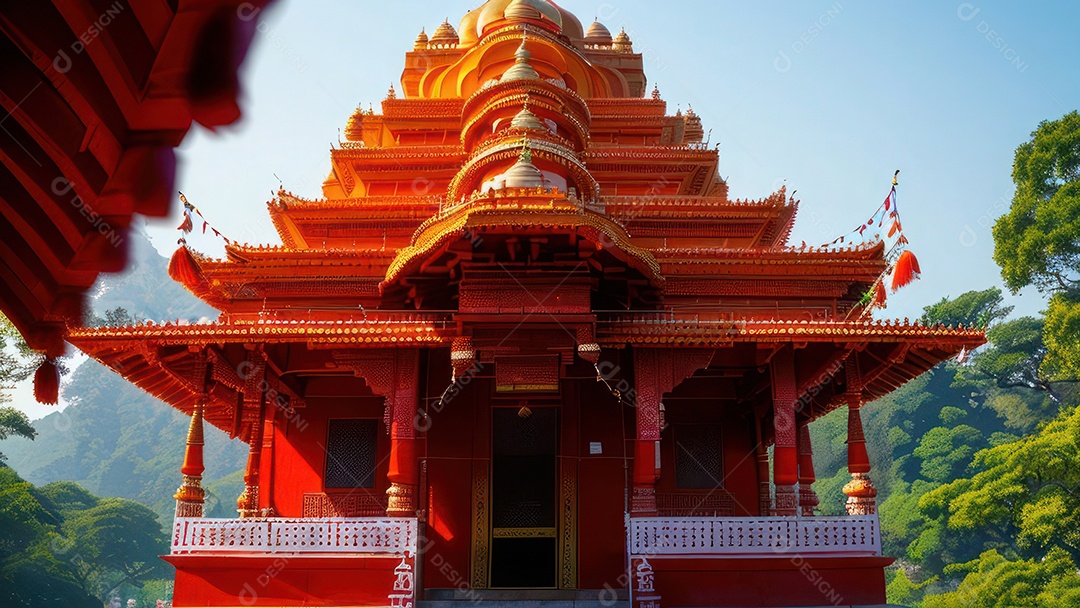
(281, 581)
(98, 94)
(570, 249)
(773, 581)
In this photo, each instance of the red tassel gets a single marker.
(878, 299)
(183, 269)
(187, 225)
(47, 383)
(905, 270)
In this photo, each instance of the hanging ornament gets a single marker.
(182, 267)
(905, 270)
(47, 383)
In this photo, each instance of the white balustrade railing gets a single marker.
(754, 536)
(355, 536)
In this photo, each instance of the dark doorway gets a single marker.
(523, 498)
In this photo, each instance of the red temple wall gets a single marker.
(299, 453)
(600, 485)
(457, 441)
(779, 581)
(282, 581)
(737, 433)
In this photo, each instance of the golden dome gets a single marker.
(475, 21)
(525, 119)
(468, 27)
(421, 41)
(598, 34)
(571, 25)
(523, 174)
(354, 128)
(498, 10)
(521, 70)
(520, 9)
(622, 43)
(445, 34)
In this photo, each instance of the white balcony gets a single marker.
(660, 537)
(381, 537)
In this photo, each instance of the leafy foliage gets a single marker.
(1038, 242)
(971, 309)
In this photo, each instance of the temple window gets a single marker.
(350, 453)
(699, 462)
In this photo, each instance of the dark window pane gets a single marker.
(350, 453)
(699, 463)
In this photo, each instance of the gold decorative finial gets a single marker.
(526, 152)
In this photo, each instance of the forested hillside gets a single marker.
(113, 438)
(978, 461)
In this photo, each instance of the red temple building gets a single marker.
(527, 348)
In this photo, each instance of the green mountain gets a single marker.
(113, 438)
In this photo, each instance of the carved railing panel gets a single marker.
(754, 536)
(352, 504)
(695, 504)
(356, 536)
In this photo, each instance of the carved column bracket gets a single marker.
(656, 372)
(393, 375)
(785, 457)
(862, 496)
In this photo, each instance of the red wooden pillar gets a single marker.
(254, 398)
(404, 469)
(785, 457)
(647, 436)
(862, 496)
(764, 484)
(808, 499)
(190, 495)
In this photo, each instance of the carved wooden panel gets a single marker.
(717, 503)
(351, 504)
(481, 544)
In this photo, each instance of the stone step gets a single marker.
(523, 598)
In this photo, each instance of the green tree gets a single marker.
(1038, 242)
(970, 309)
(1026, 493)
(14, 423)
(996, 582)
(118, 542)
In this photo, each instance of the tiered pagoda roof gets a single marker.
(525, 148)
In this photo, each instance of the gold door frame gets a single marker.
(566, 576)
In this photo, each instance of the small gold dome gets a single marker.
(421, 41)
(524, 174)
(525, 119)
(522, 69)
(622, 43)
(445, 34)
(598, 34)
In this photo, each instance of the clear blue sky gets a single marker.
(828, 96)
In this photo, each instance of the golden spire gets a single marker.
(526, 119)
(522, 69)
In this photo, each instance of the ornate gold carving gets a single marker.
(401, 500)
(523, 533)
(481, 544)
(568, 528)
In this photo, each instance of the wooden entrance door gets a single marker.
(524, 499)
